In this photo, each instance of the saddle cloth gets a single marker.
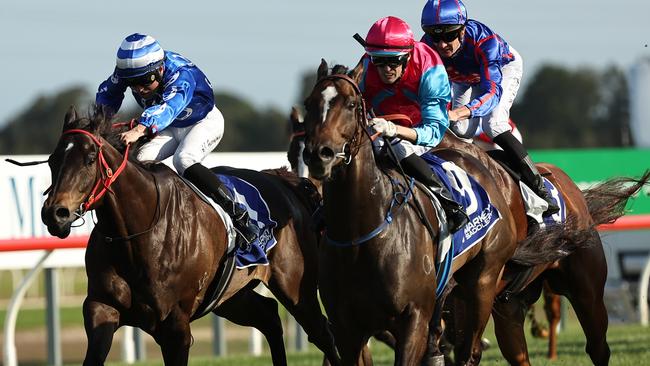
(474, 199)
(535, 205)
(259, 213)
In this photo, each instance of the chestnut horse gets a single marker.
(580, 276)
(376, 262)
(157, 247)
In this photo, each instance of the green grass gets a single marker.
(628, 343)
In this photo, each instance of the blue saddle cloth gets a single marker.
(260, 215)
(560, 216)
(474, 199)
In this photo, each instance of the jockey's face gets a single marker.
(146, 90)
(447, 49)
(390, 73)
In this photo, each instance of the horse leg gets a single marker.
(100, 321)
(308, 314)
(248, 308)
(412, 334)
(479, 296)
(552, 307)
(509, 319)
(585, 292)
(175, 338)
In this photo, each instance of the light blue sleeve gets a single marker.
(434, 95)
(177, 95)
(110, 93)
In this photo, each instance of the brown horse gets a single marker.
(580, 276)
(386, 280)
(157, 247)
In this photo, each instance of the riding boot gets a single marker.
(526, 169)
(416, 167)
(211, 186)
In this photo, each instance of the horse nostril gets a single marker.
(62, 213)
(325, 153)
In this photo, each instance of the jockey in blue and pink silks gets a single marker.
(485, 72)
(402, 76)
(179, 115)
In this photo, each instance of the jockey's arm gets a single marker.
(176, 98)
(111, 93)
(434, 94)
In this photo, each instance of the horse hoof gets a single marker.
(485, 344)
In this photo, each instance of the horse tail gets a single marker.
(304, 189)
(606, 203)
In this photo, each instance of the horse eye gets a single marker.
(352, 105)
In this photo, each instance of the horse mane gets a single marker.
(101, 121)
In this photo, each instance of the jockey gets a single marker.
(403, 76)
(179, 115)
(485, 73)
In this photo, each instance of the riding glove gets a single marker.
(384, 127)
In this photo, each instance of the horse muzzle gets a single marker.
(320, 160)
(58, 220)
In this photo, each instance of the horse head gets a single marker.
(335, 120)
(78, 169)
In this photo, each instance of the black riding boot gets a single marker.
(416, 167)
(211, 186)
(527, 170)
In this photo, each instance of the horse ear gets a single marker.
(356, 73)
(70, 116)
(322, 69)
(295, 115)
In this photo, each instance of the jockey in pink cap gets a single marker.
(402, 76)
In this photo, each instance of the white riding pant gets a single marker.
(189, 145)
(495, 122)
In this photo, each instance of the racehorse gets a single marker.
(157, 247)
(377, 259)
(580, 276)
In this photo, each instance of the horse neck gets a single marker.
(359, 192)
(134, 187)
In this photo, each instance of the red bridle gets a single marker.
(106, 174)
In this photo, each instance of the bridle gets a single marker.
(106, 175)
(351, 147)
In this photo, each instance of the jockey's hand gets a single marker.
(384, 127)
(133, 134)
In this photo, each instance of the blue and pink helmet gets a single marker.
(444, 13)
(138, 55)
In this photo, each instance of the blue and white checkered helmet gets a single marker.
(138, 55)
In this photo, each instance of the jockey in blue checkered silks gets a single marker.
(179, 115)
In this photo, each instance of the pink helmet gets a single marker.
(389, 36)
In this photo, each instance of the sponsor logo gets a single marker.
(478, 223)
(185, 114)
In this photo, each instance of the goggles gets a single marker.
(391, 61)
(144, 80)
(438, 34)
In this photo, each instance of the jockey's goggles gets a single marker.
(390, 61)
(437, 33)
(144, 80)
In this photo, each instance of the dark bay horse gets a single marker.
(387, 281)
(580, 275)
(157, 247)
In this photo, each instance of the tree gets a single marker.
(36, 130)
(562, 108)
